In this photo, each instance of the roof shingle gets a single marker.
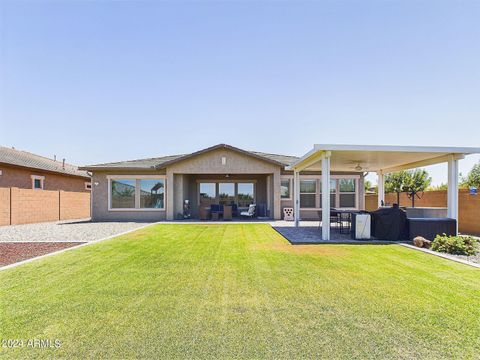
(158, 162)
(25, 159)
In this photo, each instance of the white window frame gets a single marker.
(42, 182)
(87, 184)
(137, 179)
(218, 181)
(356, 193)
(290, 187)
(337, 193)
(309, 193)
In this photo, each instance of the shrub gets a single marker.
(456, 245)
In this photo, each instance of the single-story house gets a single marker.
(156, 188)
(24, 170)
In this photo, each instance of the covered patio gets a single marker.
(381, 159)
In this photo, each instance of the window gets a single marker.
(207, 191)
(347, 193)
(37, 182)
(308, 193)
(226, 193)
(138, 193)
(123, 194)
(285, 189)
(152, 194)
(333, 191)
(88, 186)
(245, 194)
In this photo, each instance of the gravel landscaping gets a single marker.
(473, 258)
(76, 230)
(17, 251)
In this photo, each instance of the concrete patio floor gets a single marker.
(309, 232)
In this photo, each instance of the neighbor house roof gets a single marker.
(21, 158)
(164, 161)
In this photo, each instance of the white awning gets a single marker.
(375, 158)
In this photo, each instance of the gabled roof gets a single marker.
(164, 161)
(32, 161)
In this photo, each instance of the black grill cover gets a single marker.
(389, 224)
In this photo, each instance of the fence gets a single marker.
(468, 206)
(26, 206)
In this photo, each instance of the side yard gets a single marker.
(22, 242)
(224, 291)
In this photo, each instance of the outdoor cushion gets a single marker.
(429, 228)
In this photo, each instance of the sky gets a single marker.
(101, 81)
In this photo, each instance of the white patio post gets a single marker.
(326, 195)
(296, 196)
(381, 188)
(452, 193)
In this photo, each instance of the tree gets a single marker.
(473, 177)
(369, 187)
(416, 182)
(395, 183)
(442, 186)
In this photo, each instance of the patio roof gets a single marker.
(381, 159)
(384, 158)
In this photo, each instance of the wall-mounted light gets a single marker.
(96, 183)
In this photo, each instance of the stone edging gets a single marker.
(445, 256)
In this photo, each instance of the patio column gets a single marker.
(452, 193)
(381, 188)
(296, 196)
(169, 192)
(326, 195)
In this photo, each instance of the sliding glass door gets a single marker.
(241, 194)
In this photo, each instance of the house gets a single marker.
(25, 170)
(155, 189)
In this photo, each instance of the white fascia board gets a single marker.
(394, 148)
(306, 160)
(422, 163)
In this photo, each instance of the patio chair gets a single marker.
(334, 218)
(250, 212)
(216, 210)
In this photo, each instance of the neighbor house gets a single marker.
(156, 188)
(25, 170)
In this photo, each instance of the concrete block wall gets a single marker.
(26, 206)
(33, 206)
(4, 206)
(74, 205)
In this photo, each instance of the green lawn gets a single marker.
(240, 291)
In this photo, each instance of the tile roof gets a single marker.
(25, 159)
(159, 162)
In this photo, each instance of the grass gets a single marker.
(240, 291)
